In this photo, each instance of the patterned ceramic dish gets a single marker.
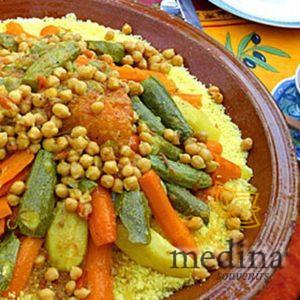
(271, 12)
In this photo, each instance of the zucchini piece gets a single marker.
(87, 185)
(114, 49)
(37, 204)
(180, 174)
(197, 119)
(11, 83)
(40, 48)
(156, 255)
(9, 248)
(66, 240)
(160, 145)
(186, 203)
(7, 41)
(132, 208)
(157, 99)
(151, 120)
(45, 64)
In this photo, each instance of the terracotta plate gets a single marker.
(248, 103)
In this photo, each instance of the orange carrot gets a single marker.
(21, 176)
(88, 53)
(15, 29)
(134, 142)
(102, 221)
(82, 60)
(226, 171)
(5, 209)
(215, 147)
(13, 165)
(49, 30)
(139, 75)
(5, 103)
(2, 227)
(165, 215)
(28, 252)
(42, 82)
(97, 272)
(195, 100)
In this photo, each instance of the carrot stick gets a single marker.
(2, 227)
(15, 29)
(5, 103)
(164, 213)
(139, 75)
(195, 100)
(226, 171)
(49, 30)
(82, 60)
(21, 176)
(97, 272)
(28, 252)
(215, 147)
(5, 209)
(13, 165)
(134, 142)
(102, 221)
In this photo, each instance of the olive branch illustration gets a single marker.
(251, 52)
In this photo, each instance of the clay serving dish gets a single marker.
(248, 103)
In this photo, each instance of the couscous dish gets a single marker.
(118, 169)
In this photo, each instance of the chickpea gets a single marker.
(34, 133)
(17, 188)
(110, 167)
(71, 204)
(75, 273)
(79, 143)
(146, 137)
(113, 83)
(127, 60)
(234, 210)
(86, 160)
(49, 129)
(107, 181)
(144, 164)
(28, 120)
(15, 95)
(46, 294)
(206, 154)
(201, 136)
(185, 158)
(245, 214)
(50, 92)
(60, 72)
(73, 155)
(93, 173)
(236, 236)
(246, 144)
(126, 151)
(82, 293)
(61, 190)
(78, 131)
(25, 90)
(131, 183)
(142, 64)
(61, 111)
(211, 166)
(100, 76)
(80, 87)
(233, 223)
(107, 153)
(63, 168)
(118, 186)
(3, 139)
(70, 287)
(13, 200)
(165, 67)
(109, 35)
(40, 261)
(86, 72)
(192, 149)
(126, 29)
(92, 148)
(65, 95)
(197, 162)
(22, 141)
(97, 162)
(169, 135)
(226, 196)
(76, 170)
(195, 223)
(52, 81)
(168, 53)
(34, 148)
(135, 88)
(51, 274)
(127, 170)
(97, 107)
(2, 154)
(177, 60)
(145, 148)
